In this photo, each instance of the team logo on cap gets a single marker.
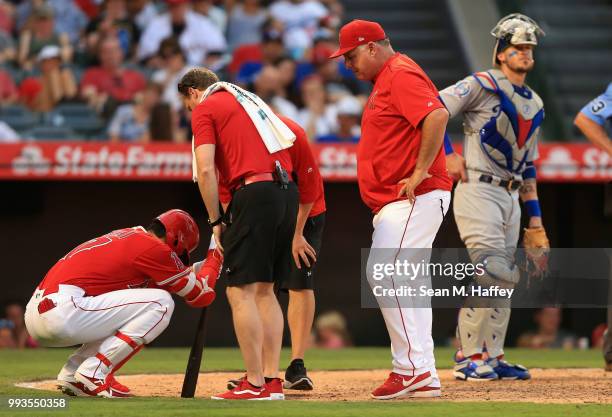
(361, 39)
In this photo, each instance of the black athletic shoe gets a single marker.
(296, 378)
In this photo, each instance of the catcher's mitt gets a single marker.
(537, 247)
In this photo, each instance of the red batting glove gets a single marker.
(207, 279)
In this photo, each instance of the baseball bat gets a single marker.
(195, 358)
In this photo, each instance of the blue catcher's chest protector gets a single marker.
(507, 137)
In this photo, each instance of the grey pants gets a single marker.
(488, 218)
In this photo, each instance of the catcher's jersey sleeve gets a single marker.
(599, 109)
(461, 97)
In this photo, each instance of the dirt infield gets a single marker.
(576, 386)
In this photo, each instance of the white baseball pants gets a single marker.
(404, 225)
(110, 326)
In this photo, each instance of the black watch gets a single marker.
(216, 222)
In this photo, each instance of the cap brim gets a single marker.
(341, 51)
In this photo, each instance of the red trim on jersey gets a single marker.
(103, 359)
(487, 77)
(127, 339)
(396, 299)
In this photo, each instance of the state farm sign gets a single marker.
(559, 162)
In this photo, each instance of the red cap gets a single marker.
(358, 32)
(173, 2)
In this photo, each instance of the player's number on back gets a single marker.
(99, 242)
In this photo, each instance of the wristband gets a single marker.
(533, 208)
(216, 222)
(448, 145)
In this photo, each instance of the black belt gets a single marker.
(509, 185)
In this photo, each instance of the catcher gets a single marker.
(111, 295)
(502, 118)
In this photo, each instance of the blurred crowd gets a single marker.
(13, 332)
(108, 69)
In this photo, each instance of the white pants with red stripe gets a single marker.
(110, 326)
(403, 225)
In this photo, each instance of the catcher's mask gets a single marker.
(182, 233)
(515, 29)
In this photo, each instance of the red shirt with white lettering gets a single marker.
(401, 98)
(239, 150)
(119, 260)
(305, 168)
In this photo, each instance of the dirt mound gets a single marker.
(547, 386)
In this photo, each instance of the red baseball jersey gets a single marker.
(119, 260)
(305, 168)
(239, 150)
(401, 98)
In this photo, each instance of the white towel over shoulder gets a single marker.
(275, 134)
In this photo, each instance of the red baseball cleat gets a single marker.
(245, 391)
(398, 385)
(108, 388)
(275, 387)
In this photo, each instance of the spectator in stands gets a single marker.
(174, 66)
(208, 9)
(267, 86)
(41, 34)
(110, 83)
(114, 20)
(245, 22)
(6, 17)
(7, 134)
(7, 48)
(8, 89)
(131, 121)
(348, 122)
(141, 12)
(248, 59)
(69, 17)
(287, 68)
(301, 20)
(337, 84)
(17, 335)
(54, 85)
(548, 333)
(316, 117)
(196, 34)
(331, 331)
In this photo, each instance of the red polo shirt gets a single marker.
(239, 152)
(309, 181)
(391, 133)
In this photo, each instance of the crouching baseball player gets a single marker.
(111, 295)
(502, 118)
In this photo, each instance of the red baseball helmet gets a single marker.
(182, 233)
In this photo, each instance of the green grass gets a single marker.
(28, 365)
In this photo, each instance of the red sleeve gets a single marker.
(29, 89)
(203, 126)
(161, 265)
(414, 96)
(304, 165)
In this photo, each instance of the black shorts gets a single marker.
(257, 244)
(303, 279)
